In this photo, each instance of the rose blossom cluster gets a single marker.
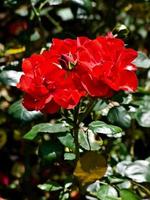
(74, 68)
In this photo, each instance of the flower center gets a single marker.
(67, 61)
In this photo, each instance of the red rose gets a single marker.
(32, 83)
(52, 80)
(111, 63)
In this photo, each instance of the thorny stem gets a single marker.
(43, 4)
(38, 20)
(89, 108)
(77, 121)
(55, 23)
(76, 133)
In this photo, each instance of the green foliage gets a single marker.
(107, 129)
(10, 77)
(127, 194)
(142, 114)
(50, 186)
(119, 116)
(138, 171)
(69, 156)
(107, 192)
(142, 61)
(67, 140)
(45, 128)
(87, 141)
(17, 111)
(50, 151)
(121, 30)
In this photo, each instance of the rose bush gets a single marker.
(99, 132)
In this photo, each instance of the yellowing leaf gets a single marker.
(18, 169)
(3, 138)
(90, 167)
(15, 51)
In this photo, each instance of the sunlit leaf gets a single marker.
(142, 60)
(94, 187)
(65, 14)
(138, 171)
(35, 36)
(69, 156)
(143, 117)
(18, 111)
(87, 140)
(101, 104)
(90, 167)
(50, 186)
(64, 195)
(107, 129)
(67, 140)
(10, 77)
(45, 128)
(121, 30)
(128, 195)
(22, 10)
(125, 184)
(107, 192)
(54, 2)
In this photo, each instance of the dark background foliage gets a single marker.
(28, 27)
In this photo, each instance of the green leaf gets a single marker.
(49, 150)
(143, 117)
(101, 104)
(54, 2)
(10, 77)
(67, 140)
(119, 116)
(10, 3)
(87, 141)
(65, 14)
(35, 36)
(142, 114)
(88, 5)
(138, 171)
(50, 186)
(45, 128)
(121, 30)
(128, 195)
(100, 108)
(107, 192)
(142, 61)
(107, 129)
(18, 111)
(125, 184)
(69, 156)
(64, 195)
